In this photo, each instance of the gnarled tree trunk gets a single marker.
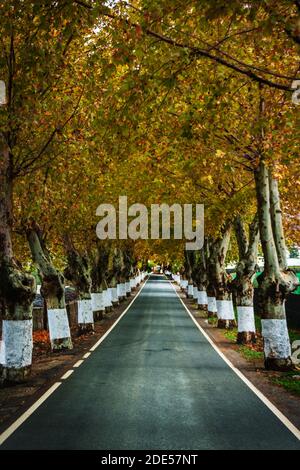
(242, 286)
(78, 272)
(219, 278)
(183, 278)
(121, 274)
(105, 279)
(17, 288)
(134, 273)
(188, 267)
(99, 271)
(276, 281)
(127, 255)
(115, 267)
(193, 256)
(210, 288)
(202, 278)
(52, 290)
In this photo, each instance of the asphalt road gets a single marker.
(154, 383)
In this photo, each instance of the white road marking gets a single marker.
(8, 432)
(294, 430)
(12, 428)
(67, 374)
(86, 355)
(78, 363)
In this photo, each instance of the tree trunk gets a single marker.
(210, 288)
(112, 277)
(202, 278)
(78, 272)
(194, 261)
(121, 275)
(276, 221)
(17, 288)
(218, 251)
(183, 279)
(188, 256)
(242, 286)
(52, 290)
(128, 262)
(107, 296)
(97, 301)
(107, 290)
(277, 281)
(98, 263)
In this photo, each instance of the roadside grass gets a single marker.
(252, 352)
(231, 334)
(289, 382)
(294, 335)
(212, 321)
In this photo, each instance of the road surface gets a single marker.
(154, 383)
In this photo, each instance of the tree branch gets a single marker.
(243, 69)
(26, 164)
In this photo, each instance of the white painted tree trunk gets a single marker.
(242, 285)
(211, 306)
(97, 305)
(17, 288)
(218, 279)
(195, 292)
(52, 290)
(184, 284)
(277, 280)
(190, 291)
(202, 299)
(85, 312)
(225, 312)
(128, 288)
(79, 272)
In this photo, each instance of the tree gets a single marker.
(36, 40)
(201, 276)
(242, 285)
(219, 279)
(52, 289)
(79, 272)
(276, 281)
(214, 32)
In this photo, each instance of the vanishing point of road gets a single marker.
(155, 382)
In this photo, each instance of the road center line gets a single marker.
(78, 363)
(67, 374)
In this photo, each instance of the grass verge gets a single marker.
(252, 352)
(289, 381)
